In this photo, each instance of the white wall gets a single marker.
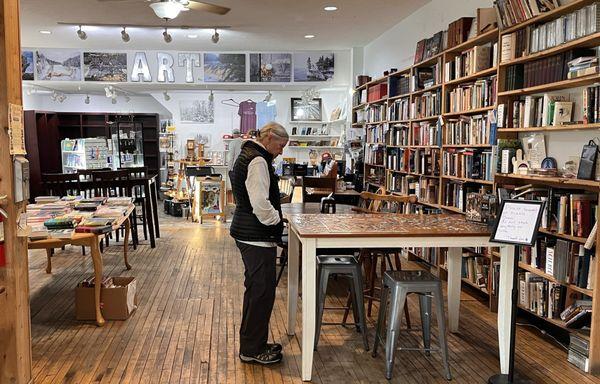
(396, 47)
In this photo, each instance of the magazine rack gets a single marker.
(209, 198)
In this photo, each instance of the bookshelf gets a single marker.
(399, 141)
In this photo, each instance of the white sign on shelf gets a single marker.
(518, 222)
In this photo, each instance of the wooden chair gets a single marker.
(324, 185)
(86, 181)
(139, 200)
(286, 189)
(104, 185)
(370, 258)
(60, 184)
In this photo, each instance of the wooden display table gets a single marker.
(88, 240)
(312, 231)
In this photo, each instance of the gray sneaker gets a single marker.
(264, 358)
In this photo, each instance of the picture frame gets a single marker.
(313, 111)
(518, 222)
(303, 131)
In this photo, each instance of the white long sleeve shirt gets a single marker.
(257, 184)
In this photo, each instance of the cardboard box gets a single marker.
(116, 303)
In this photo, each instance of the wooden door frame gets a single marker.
(15, 320)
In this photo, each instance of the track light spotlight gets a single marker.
(87, 99)
(125, 35)
(53, 96)
(215, 37)
(268, 97)
(211, 97)
(113, 101)
(61, 97)
(166, 96)
(81, 33)
(167, 37)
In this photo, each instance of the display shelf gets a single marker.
(474, 286)
(556, 86)
(483, 38)
(359, 106)
(374, 165)
(397, 97)
(553, 14)
(589, 185)
(551, 278)
(377, 122)
(378, 101)
(427, 118)
(469, 112)
(423, 146)
(400, 72)
(451, 209)
(466, 146)
(313, 137)
(313, 147)
(590, 41)
(555, 322)
(420, 91)
(430, 61)
(468, 180)
(475, 76)
(551, 128)
(400, 121)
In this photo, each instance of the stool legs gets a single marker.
(425, 307)
(322, 278)
(393, 331)
(380, 319)
(442, 330)
(359, 307)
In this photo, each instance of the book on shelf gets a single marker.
(458, 31)
(376, 113)
(469, 62)
(424, 161)
(577, 314)
(470, 163)
(427, 104)
(63, 233)
(397, 135)
(476, 270)
(376, 133)
(511, 12)
(399, 85)
(377, 92)
(541, 296)
(430, 47)
(478, 94)
(425, 77)
(471, 130)
(455, 193)
(426, 133)
(399, 109)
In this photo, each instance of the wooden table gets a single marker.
(312, 231)
(88, 240)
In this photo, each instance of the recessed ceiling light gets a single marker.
(309, 36)
(330, 8)
(45, 32)
(192, 36)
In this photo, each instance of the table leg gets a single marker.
(97, 259)
(505, 304)
(126, 242)
(293, 268)
(454, 280)
(309, 305)
(153, 192)
(149, 213)
(49, 256)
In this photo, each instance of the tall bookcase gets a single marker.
(398, 138)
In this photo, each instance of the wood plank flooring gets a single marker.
(186, 327)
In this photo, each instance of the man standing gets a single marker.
(257, 227)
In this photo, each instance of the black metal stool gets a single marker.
(341, 266)
(401, 283)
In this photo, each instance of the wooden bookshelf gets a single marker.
(556, 128)
(539, 272)
(429, 89)
(474, 111)
(588, 185)
(379, 101)
(486, 37)
(556, 86)
(467, 180)
(485, 73)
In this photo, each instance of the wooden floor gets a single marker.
(186, 328)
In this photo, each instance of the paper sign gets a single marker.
(518, 222)
(16, 131)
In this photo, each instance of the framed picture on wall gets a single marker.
(306, 112)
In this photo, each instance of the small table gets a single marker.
(89, 240)
(312, 231)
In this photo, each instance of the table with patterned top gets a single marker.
(311, 231)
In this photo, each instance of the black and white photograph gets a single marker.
(270, 67)
(58, 64)
(224, 67)
(104, 66)
(302, 111)
(197, 111)
(313, 66)
(27, 65)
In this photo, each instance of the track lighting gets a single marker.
(268, 97)
(215, 37)
(166, 96)
(81, 33)
(125, 35)
(61, 97)
(166, 36)
(87, 99)
(211, 97)
(113, 101)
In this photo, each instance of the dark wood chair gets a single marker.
(139, 199)
(86, 181)
(60, 184)
(104, 183)
(314, 188)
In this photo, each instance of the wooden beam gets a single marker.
(15, 327)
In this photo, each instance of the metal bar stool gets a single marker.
(400, 283)
(342, 266)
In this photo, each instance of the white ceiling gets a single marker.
(255, 24)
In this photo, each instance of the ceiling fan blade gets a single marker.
(212, 8)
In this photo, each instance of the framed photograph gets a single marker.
(103, 66)
(313, 66)
(58, 64)
(306, 112)
(303, 131)
(224, 67)
(518, 222)
(294, 130)
(26, 65)
(271, 67)
(197, 111)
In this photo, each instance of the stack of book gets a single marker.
(46, 199)
(541, 111)
(458, 31)
(469, 62)
(430, 47)
(582, 66)
(511, 12)
(121, 201)
(578, 314)
(96, 225)
(471, 130)
(579, 350)
(427, 105)
(478, 94)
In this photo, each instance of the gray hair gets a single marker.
(275, 128)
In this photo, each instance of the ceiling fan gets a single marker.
(169, 9)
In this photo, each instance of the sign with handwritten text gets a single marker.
(518, 222)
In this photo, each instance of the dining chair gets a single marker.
(314, 188)
(60, 184)
(138, 193)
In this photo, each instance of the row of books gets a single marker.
(375, 113)
(479, 94)
(359, 98)
(533, 39)
(374, 154)
(511, 12)
(397, 135)
(471, 130)
(399, 85)
(376, 133)
(430, 47)
(423, 161)
(399, 109)
(542, 71)
(540, 296)
(578, 314)
(377, 92)
(476, 270)
(471, 61)
(591, 104)
(541, 111)
(426, 105)
(455, 193)
(429, 255)
(469, 163)
(425, 188)
(426, 133)
(426, 77)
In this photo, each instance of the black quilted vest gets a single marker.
(245, 225)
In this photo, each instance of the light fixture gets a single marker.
(87, 99)
(167, 9)
(81, 33)
(166, 96)
(168, 38)
(45, 32)
(108, 90)
(61, 97)
(192, 36)
(28, 91)
(125, 35)
(330, 8)
(215, 37)
(211, 97)
(268, 97)
(53, 96)
(309, 36)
